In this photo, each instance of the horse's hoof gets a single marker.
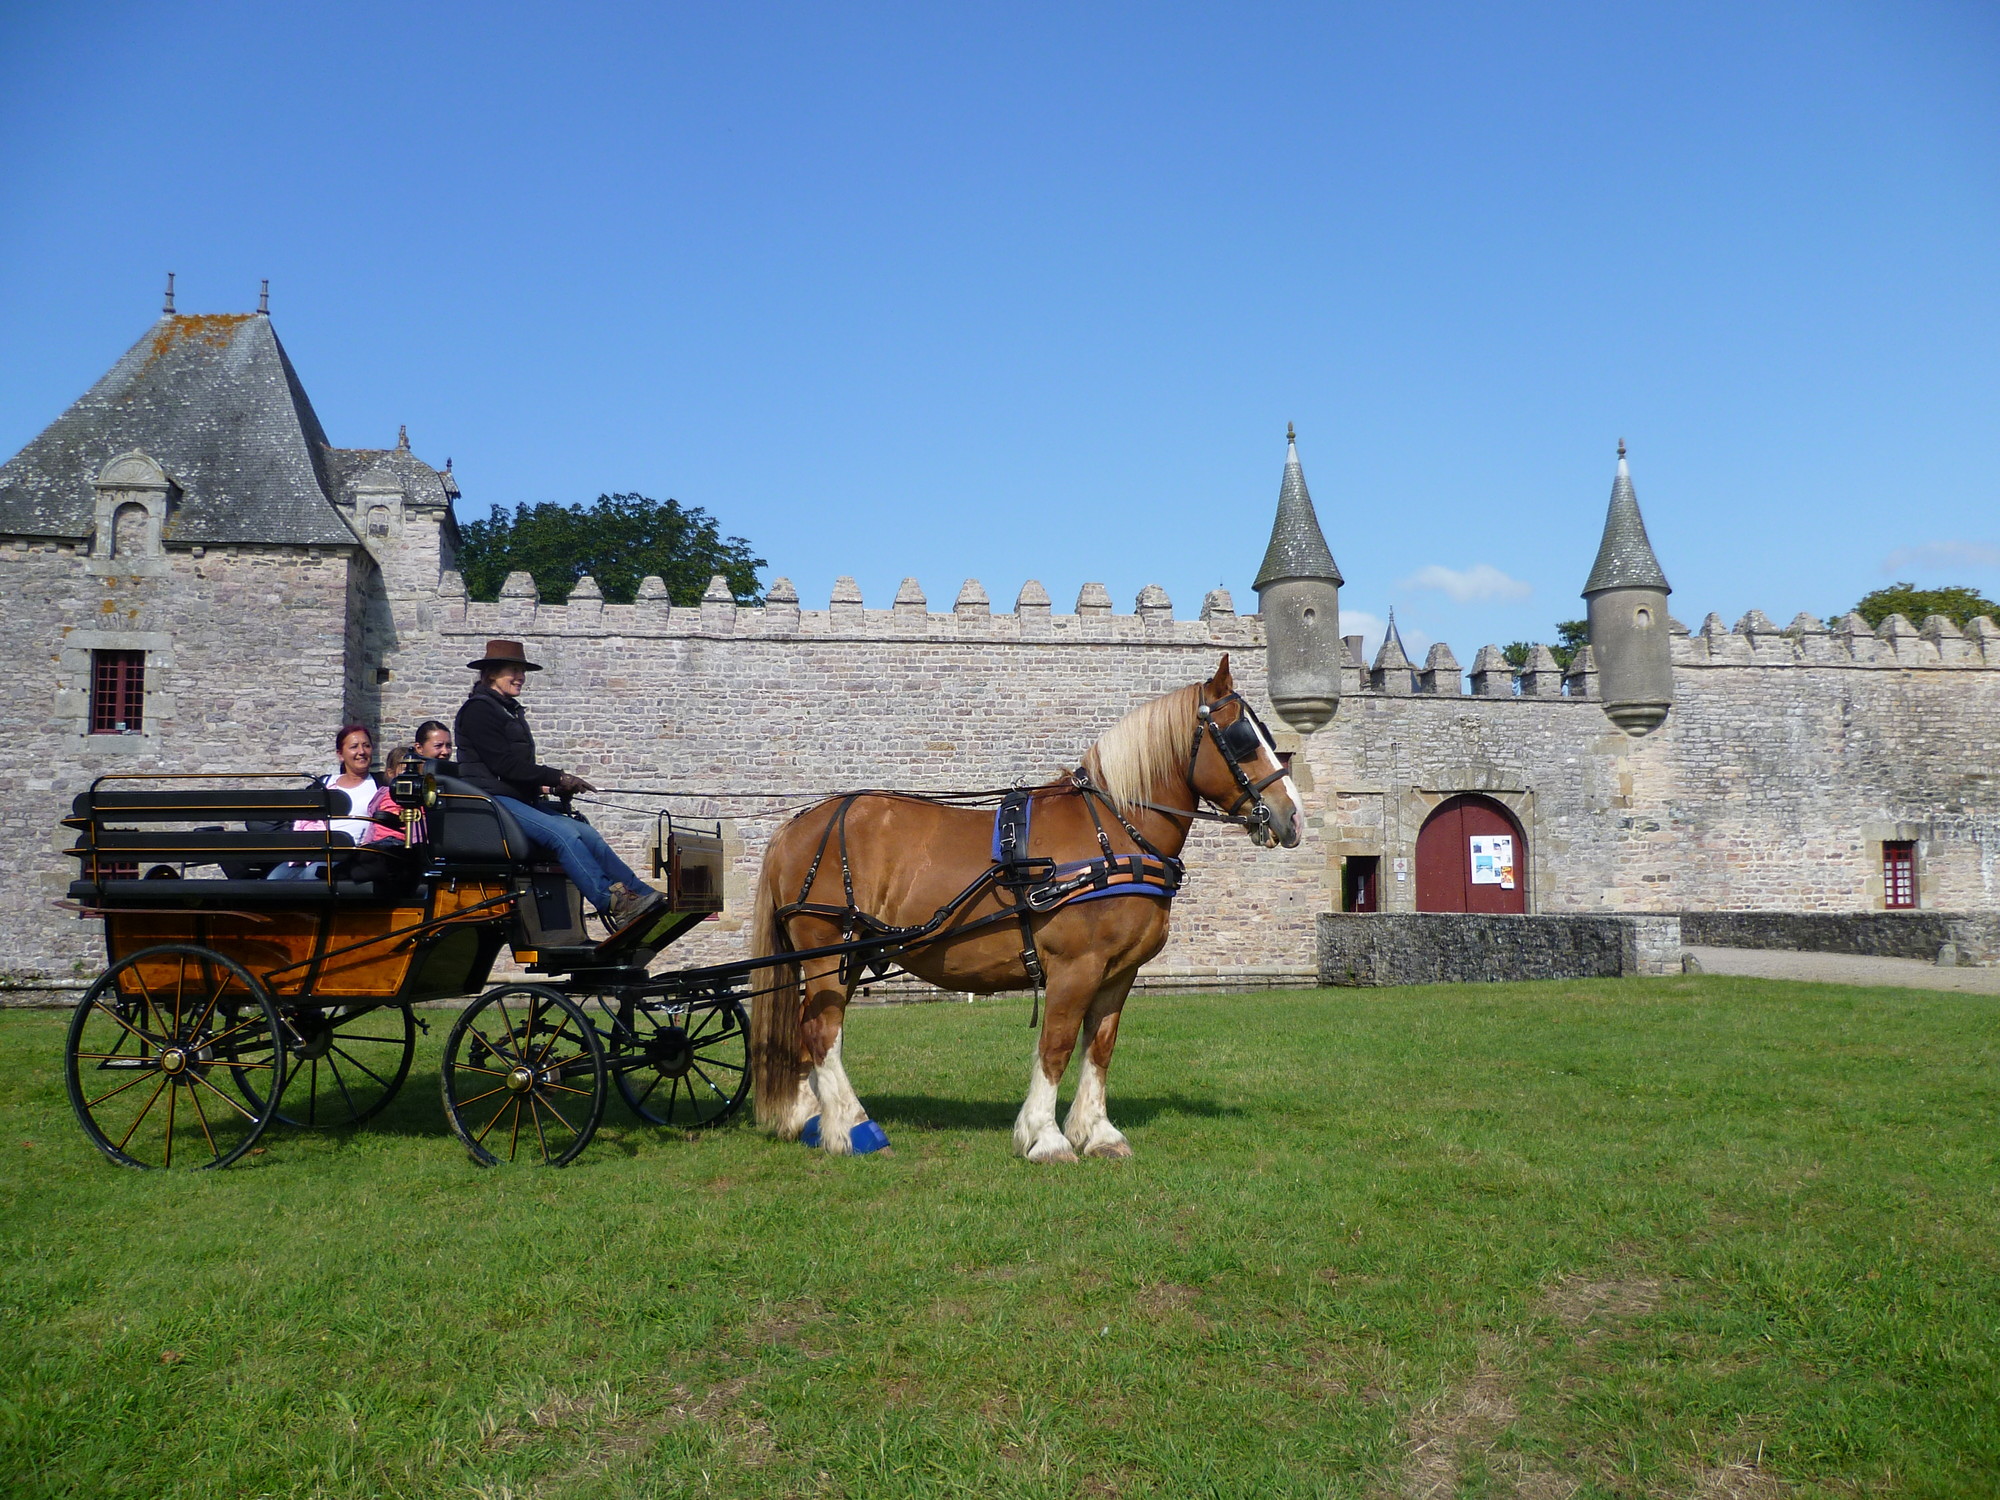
(1058, 1152)
(1116, 1150)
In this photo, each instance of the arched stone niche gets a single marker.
(378, 505)
(135, 496)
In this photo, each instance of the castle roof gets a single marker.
(215, 401)
(1298, 547)
(1625, 557)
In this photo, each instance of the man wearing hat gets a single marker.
(496, 753)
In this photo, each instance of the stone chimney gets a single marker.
(1627, 598)
(1298, 594)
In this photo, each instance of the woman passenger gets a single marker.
(354, 747)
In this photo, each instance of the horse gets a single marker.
(933, 874)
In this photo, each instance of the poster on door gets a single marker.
(1493, 860)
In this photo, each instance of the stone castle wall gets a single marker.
(1789, 755)
(247, 669)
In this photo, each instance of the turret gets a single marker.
(1627, 597)
(1298, 594)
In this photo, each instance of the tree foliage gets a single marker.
(618, 541)
(1571, 637)
(1957, 605)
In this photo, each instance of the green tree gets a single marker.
(618, 541)
(1571, 637)
(1957, 605)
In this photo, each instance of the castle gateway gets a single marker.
(199, 581)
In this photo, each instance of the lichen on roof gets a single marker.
(1625, 557)
(212, 399)
(1298, 547)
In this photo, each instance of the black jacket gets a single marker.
(496, 749)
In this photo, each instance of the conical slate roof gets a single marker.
(1625, 558)
(1298, 547)
(215, 401)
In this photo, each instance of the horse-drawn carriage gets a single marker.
(233, 1001)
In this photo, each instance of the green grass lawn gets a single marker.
(1696, 1237)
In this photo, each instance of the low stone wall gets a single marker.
(1453, 948)
(1973, 937)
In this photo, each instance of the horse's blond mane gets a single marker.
(1143, 754)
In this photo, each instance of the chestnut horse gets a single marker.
(868, 863)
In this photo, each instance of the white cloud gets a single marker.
(1480, 581)
(1941, 557)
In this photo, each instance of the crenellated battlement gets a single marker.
(519, 611)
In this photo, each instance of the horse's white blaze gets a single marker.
(839, 1106)
(1284, 781)
(1035, 1134)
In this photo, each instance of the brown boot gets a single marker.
(628, 905)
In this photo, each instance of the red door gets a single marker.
(1471, 856)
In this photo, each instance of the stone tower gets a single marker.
(1627, 597)
(1298, 594)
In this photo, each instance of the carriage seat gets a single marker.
(467, 827)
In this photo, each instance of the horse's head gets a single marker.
(1236, 766)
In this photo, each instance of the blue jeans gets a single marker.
(585, 857)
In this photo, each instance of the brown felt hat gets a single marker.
(504, 654)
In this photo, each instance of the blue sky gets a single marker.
(1032, 291)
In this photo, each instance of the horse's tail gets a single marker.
(777, 1041)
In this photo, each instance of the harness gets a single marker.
(1030, 885)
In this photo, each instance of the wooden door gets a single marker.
(1472, 856)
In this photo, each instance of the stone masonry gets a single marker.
(1789, 755)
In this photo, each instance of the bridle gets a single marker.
(1236, 743)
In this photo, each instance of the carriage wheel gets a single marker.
(680, 1062)
(158, 1054)
(347, 1063)
(523, 1077)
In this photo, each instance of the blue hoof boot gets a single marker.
(867, 1137)
(810, 1135)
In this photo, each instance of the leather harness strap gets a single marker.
(1035, 885)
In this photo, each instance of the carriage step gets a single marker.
(865, 1138)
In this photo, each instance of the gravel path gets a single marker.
(1844, 968)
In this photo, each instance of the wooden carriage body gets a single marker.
(200, 939)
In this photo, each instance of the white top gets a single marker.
(359, 800)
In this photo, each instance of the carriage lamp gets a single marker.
(413, 790)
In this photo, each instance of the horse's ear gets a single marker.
(1219, 684)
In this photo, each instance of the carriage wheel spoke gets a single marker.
(357, 1062)
(226, 1099)
(256, 1019)
(550, 1106)
(93, 1103)
(498, 1110)
(151, 1100)
(696, 1067)
(541, 1139)
(334, 1068)
(202, 1115)
(641, 1100)
(312, 1093)
(487, 1095)
(147, 1040)
(514, 1135)
(173, 1097)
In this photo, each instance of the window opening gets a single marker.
(117, 692)
(1899, 874)
(1359, 883)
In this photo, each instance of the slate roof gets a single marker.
(215, 401)
(1625, 557)
(1298, 547)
